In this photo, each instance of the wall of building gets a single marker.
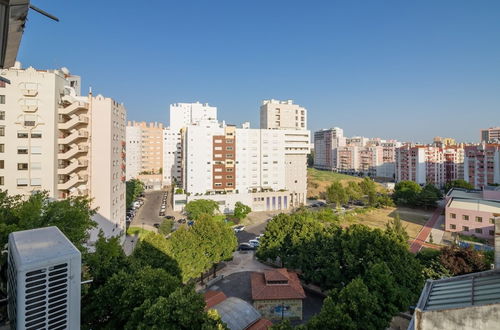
(479, 223)
(273, 309)
(282, 114)
(478, 317)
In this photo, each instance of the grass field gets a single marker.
(318, 181)
(131, 231)
(413, 219)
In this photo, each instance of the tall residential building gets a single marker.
(282, 114)
(482, 164)
(145, 162)
(491, 135)
(426, 164)
(326, 143)
(444, 141)
(184, 114)
(52, 139)
(172, 156)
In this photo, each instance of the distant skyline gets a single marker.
(389, 69)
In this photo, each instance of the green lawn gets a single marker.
(132, 231)
(318, 181)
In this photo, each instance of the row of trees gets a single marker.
(369, 273)
(201, 207)
(409, 193)
(133, 189)
(366, 191)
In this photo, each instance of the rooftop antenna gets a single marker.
(44, 13)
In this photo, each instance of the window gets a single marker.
(2, 147)
(218, 156)
(22, 182)
(229, 155)
(229, 141)
(465, 228)
(229, 184)
(2, 164)
(22, 134)
(22, 166)
(36, 150)
(229, 169)
(36, 182)
(478, 231)
(217, 141)
(218, 177)
(2, 115)
(36, 135)
(218, 184)
(492, 220)
(229, 148)
(2, 181)
(2, 130)
(453, 226)
(2, 99)
(492, 232)
(36, 166)
(465, 217)
(218, 148)
(218, 169)
(22, 150)
(479, 219)
(229, 176)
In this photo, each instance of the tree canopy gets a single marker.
(411, 194)
(133, 189)
(195, 209)
(460, 183)
(241, 210)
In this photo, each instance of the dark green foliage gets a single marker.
(336, 194)
(241, 210)
(458, 184)
(406, 193)
(195, 209)
(395, 229)
(310, 159)
(166, 227)
(133, 189)
(429, 196)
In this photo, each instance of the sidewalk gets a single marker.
(423, 235)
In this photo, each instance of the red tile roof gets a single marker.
(261, 324)
(263, 291)
(213, 298)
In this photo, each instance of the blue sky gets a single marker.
(394, 69)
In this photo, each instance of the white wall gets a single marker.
(134, 155)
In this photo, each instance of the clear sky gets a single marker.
(395, 69)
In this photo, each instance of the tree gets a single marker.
(394, 228)
(406, 193)
(310, 159)
(354, 191)
(460, 183)
(336, 194)
(241, 210)
(428, 196)
(166, 227)
(461, 261)
(133, 189)
(195, 209)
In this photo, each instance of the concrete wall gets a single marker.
(471, 318)
(272, 309)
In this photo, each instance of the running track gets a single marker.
(419, 241)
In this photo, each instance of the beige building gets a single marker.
(52, 139)
(282, 114)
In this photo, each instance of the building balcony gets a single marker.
(73, 181)
(72, 152)
(75, 135)
(74, 121)
(73, 107)
(72, 167)
(29, 92)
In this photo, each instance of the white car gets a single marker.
(254, 242)
(239, 228)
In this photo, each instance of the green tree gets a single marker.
(428, 196)
(166, 227)
(336, 193)
(133, 189)
(460, 183)
(406, 193)
(394, 228)
(195, 209)
(310, 159)
(354, 191)
(241, 210)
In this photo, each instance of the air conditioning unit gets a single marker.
(44, 279)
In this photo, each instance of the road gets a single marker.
(147, 215)
(251, 232)
(422, 236)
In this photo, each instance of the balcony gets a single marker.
(72, 181)
(75, 135)
(72, 152)
(29, 92)
(73, 107)
(74, 121)
(71, 167)
(29, 108)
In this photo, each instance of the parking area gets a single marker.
(148, 214)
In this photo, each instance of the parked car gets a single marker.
(181, 221)
(314, 205)
(161, 214)
(156, 225)
(190, 223)
(245, 247)
(169, 217)
(254, 242)
(239, 228)
(321, 203)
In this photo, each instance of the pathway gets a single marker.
(422, 236)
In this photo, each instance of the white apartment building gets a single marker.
(282, 114)
(52, 139)
(134, 151)
(172, 156)
(184, 114)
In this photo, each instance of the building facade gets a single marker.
(50, 138)
(275, 114)
(490, 135)
(326, 143)
(482, 164)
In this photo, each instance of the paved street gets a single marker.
(147, 215)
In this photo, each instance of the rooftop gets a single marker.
(463, 193)
(264, 291)
(213, 298)
(237, 313)
(479, 205)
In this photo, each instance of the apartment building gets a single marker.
(185, 114)
(326, 143)
(146, 160)
(172, 156)
(410, 164)
(491, 135)
(444, 141)
(482, 164)
(52, 139)
(275, 114)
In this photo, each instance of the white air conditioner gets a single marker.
(44, 279)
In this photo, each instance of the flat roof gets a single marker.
(35, 245)
(474, 289)
(462, 193)
(479, 205)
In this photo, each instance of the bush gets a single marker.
(166, 227)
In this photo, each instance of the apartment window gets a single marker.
(2, 181)
(2, 147)
(22, 182)
(229, 155)
(22, 134)
(2, 115)
(492, 220)
(229, 169)
(2, 99)
(2, 164)
(218, 155)
(465, 228)
(36, 182)
(229, 184)
(218, 148)
(492, 232)
(229, 176)
(479, 219)
(218, 170)
(218, 184)
(453, 226)
(36, 150)
(36, 135)
(218, 177)
(465, 217)
(22, 150)
(478, 231)
(229, 141)
(2, 130)
(229, 148)
(22, 166)
(36, 166)
(217, 141)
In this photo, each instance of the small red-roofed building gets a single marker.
(277, 294)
